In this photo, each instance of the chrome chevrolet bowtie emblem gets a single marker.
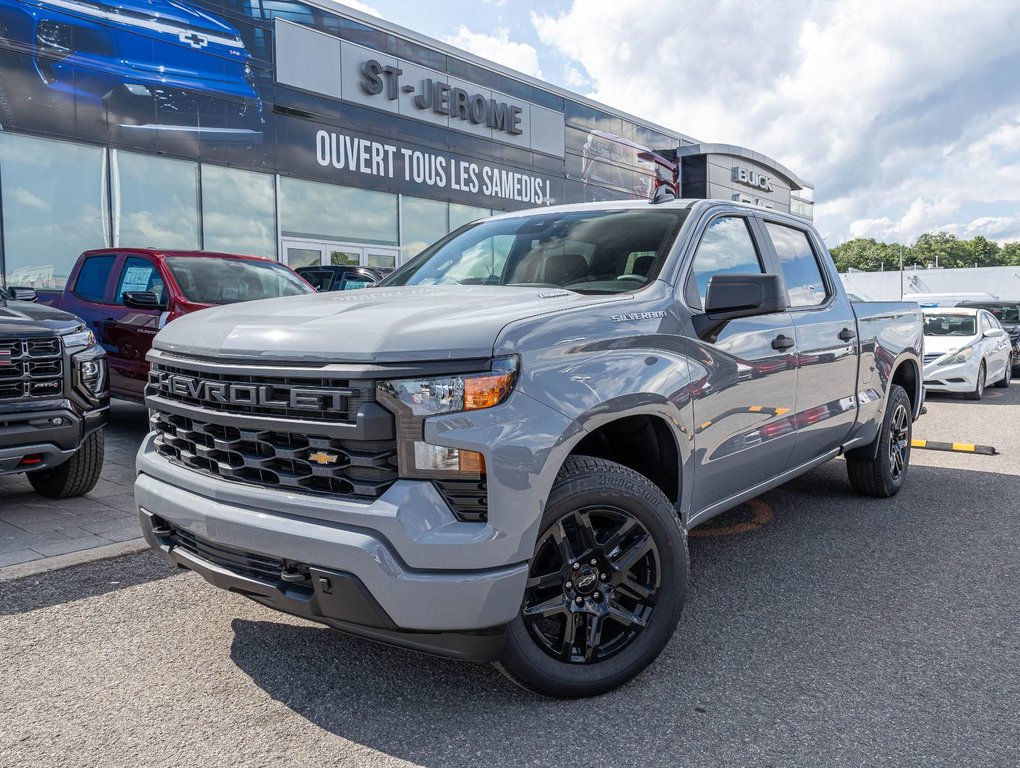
(321, 457)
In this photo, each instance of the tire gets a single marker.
(979, 386)
(883, 475)
(622, 532)
(1007, 376)
(76, 476)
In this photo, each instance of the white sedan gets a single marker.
(965, 348)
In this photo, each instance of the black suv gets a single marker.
(342, 278)
(54, 398)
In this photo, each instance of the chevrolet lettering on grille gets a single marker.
(269, 396)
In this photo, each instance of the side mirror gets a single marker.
(22, 294)
(733, 296)
(994, 333)
(143, 300)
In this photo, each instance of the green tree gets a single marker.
(1009, 255)
(939, 249)
(983, 252)
(866, 254)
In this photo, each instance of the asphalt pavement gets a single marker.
(822, 629)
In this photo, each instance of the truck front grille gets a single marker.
(306, 462)
(261, 567)
(31, 368)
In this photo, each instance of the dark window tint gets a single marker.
(139, 275)
(726, 248)
(803, 278)
(91, 283)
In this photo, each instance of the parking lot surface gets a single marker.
(821, 629)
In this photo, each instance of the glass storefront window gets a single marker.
(53, 207)
(238, 211)
(422, 222)
(314, 210)
(155, 202)
(465, 214)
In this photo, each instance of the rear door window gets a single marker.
(801, 273)
(93, 277)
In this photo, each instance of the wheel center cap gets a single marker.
(585, 580)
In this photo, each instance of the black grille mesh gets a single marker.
(35, 368)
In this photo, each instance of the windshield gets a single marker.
(212, 280)
(1007, 313)
(950, 325)
(583, 251)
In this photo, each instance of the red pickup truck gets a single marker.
(126, 295)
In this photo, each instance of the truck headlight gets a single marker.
(90, 373)
(82, 338)
(960, 357)
(413, 400)
(448, 394)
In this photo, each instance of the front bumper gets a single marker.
(372, 591)
(50, 436)
(961, 377)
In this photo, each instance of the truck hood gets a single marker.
(375, 325)
(19, 318)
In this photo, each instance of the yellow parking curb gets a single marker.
(934, 445)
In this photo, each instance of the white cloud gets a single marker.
(499, 48)
(905, 115)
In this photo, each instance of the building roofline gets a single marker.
(733, 150)
(457, 53)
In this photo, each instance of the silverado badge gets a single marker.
(321, 457)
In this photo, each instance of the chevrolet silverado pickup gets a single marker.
(498, 452)
(53, 398)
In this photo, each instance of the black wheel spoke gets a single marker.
(549, 608)
(625, 617)
(617, 536)
(545, 581)
(569, 633)
(593, 637)
(632, 555)
(637, 591)
(587, 533)
(559, 534)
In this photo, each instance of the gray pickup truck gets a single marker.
(497, 454)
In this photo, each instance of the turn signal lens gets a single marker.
(487, 391)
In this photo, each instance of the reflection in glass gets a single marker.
(726, 248)
(238, 211)
(465, 214)
(53, 194)
(315, 210)
(422, 223)
(801, 273)
(155, 202)
(303, 257)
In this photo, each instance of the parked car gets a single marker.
(500, 459)
(54, 397)
(342, 278)
(965, 348)
(148, 66)
(125, 295)
(1008, 314)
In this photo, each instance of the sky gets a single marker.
(904, 114)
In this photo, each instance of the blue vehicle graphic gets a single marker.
(157, 68)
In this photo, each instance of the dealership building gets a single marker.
(309, 133)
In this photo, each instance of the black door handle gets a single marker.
(847, 335)
(782, 342)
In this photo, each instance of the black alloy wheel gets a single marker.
(592, 586)
(606, 583)
(899, 440)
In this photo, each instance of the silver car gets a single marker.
(964, 349)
